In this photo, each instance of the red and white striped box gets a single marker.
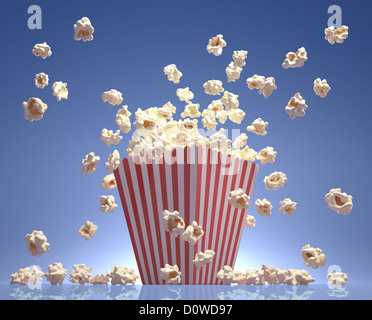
(195, 181)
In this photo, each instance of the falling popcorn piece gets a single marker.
(321, 87)
(339, 201)
(122, 276)
(202, 259)
(337, 278)
(81, 274)
(213, 87)
(238, 199)
(193, 233)
(256, 82)
(239, 57)
(109, 182)
(250, 221)
(287, 206)
(230, 100)
(215, 106)
(42, 50)
(296, 106)
(240, 141)
(295, 59)
(333, 35)
(56, 273)
(258, 127)
(191, 111)
(263, 207)
(184, 94)
(37, 243)
(209, 119)
(83, 30)
(113, 161)
(60, 90)
(173, 73)
(122, 119)
(275, 180)
(216, 45)
(108, 204)
(170, 274)
(113, 97)
(88, 230)
(247, 154)
(313, 257)
(34, 109)
(89, 163)
(236, 115)
(173, 223)
(41, 80)
(226, 275)
(233, 72)
(268, 87)
(266, 155)
(109, 137)
(100, 279)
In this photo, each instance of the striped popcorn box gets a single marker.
(195, 181)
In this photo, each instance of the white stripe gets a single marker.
(193, 182)
(181, 200)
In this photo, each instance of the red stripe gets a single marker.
(176, 205)
(187, 210)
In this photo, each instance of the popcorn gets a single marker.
(81, 274)
(219, 141)
(239, 57)
(108, 204)
(236, 115)
(230, 100)
(339, 201)
(250, 221)
(268, 87)
(266, 155)
(287, 206)
(254, 277)
(113, 97)
(88, 230)
(213, 87)
(109, 182)
(338, 278)
(34, 109)
(202, 259)
(113, 161)
(89, 163)
(122, 275)
(239, 277)
(109, 137)
(41, 80)
(209, 119)
(267, 270)
(247, 154)
(222, 116)
(336, 35)
(122, 119)
(173, 223)
(321, 87)
(297, 277)
(277, 277)
(193, 233)
(60, 90)
(184, 94)
(263, 207)
(275, 180)
(295, 60)
(36, 277)
(240, 141)
(313, 257)
(215, 106)
(171, 274)
(42, 50)
(233, 72)
(56, 273)
(22, 276)
(258, 127)
(238, 199)
(83, 30)
(191, 111)
(256, 82)
(100, 279)
(216, 45)
(296, 106)
(226, 275)
(37, 243)
(173, 73)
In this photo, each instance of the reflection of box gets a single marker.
(196, 182)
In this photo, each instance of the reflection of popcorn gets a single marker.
(258, 127)
(122, 119)
(42, 50)
(239, 57)
(191, 111)
(321, 87)
(339, 201)
(109, 182)
(83, 30)
(296, 106)
(184, 94)
(22, 276)
(337, 278)
(275, 180)
(173, 73)
(88, 230)
(250, 221)
(313, 257)
(226, 275)
(173, 223)
(233, 72)
(171, 274)
(238, 199)
(266, 155)
(230, 100)
(60, 90)
(113, 97)
(287, 206)
(56, 273)
(202, 259)
(336, 35)
(89, 163)
(109, 137)
(295, 60)
(100, 279)
(268, 87)
(81, 274)
(263, 207)
(255, 82)
(122, 275)
(113, 161)
(216, 45)
(254, 277)
(34, 109)
(193, 233)
(108, 204)
(41, 80)
(209, 119)
(213, 87)
(37, 243)
(236, 115)
(240, 141)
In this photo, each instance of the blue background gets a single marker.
(41, 184)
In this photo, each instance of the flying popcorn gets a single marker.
(219, 141)
(108, 204)
(191, 111)
(222, 116)
(230, 100)
(233, 72)
(113, 97)
(209, 119)
(88, 230)
(215, 106)
(22, 276)
(339, 201)
(60, 90)
(258, 127)
(213, 87)
(83, 30)
(338, 278)
(89, 163)
(171, 274)
(113, 161)
(239, 57)
(34, 109)
(173, 223)
(287, 206)
(184, 94)
(333, 35)
(266, 155)
(313, 257)
(263, 207)
(296, 106)
(193, 233)
(240, 141)
(226, 275)
(122, 275)
(173, 73)
(275, 180)
(256, 82)
(254, 277)
(56, 273)
(268, 87)
(109, 137)
(81, 274)
(295, 60)
(100, 279)
(41, 80)
(37, 243)
(321, 87)
(122, 119)
(238, 199)
(42, 50)
(247, 154)
(250, 221)
(109, 182)
(216, 45)
(236, 115)
(202, 259)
